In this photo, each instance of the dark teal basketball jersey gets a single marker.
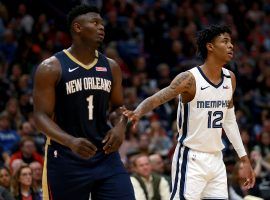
(82, 97)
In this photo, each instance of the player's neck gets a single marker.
(214, 64)
(212, 69)
(82, 53)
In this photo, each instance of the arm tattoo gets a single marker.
(179, 79)
(170, 92)
(145, 107)
(190, 82)
(165, 94)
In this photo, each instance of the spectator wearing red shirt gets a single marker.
(27, 152)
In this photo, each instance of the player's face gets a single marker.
(223, 47)
(92, 28)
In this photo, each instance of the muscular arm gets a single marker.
(183, 83)
(116, 135)
(46, 77)
(117, 99)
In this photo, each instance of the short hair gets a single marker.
(207, 35)
(25, 139)
(80, 10)
(5, 168)
(136, 157)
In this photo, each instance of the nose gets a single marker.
(101, 27)
(231, 45)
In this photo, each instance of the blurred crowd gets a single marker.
(152, 41)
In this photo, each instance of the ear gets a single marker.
(76, 27)
(209, 47)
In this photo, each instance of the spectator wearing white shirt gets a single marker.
(148, 185)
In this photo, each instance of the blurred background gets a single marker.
(152, 41)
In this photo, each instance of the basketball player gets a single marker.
(205, 107)
(72, 93)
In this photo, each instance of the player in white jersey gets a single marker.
(205, 107)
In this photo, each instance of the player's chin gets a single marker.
(228, 59)
(100, 38)
(229, 56)
(99, 42)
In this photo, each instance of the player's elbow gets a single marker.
(39, 119)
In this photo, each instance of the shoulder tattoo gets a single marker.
(190, 82)
(171, 91)
(185, 77)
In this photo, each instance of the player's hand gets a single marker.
(249, 176)
(131, 115)
(83, 147)
(114, 139)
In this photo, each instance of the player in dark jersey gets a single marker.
(73, 92)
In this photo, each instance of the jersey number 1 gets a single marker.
(215, 123)
(90, 107)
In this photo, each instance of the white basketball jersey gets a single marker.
(200, 120)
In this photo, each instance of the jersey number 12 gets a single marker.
(214, 119)
(90, 107)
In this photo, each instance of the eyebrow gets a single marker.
(97, 19)
(227, 38)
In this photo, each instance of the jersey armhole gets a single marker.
(60, 71)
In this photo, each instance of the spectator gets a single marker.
(141, 36)
(36, 168)
(144, 142)
(148, 185)
(5, 178)
(130, 144)
(9, 46)
(247, 141)
(22, 187)
(14, 113)
(159, 142)
(264, 146)
(262, 170)
(237, 192)
(158, 166)
(8, 136)
(5, 194)
(15, 166)
(26, 20)
(28, 129)
(27, 152)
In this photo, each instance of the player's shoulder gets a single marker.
(228, 73)
(188, 75)
(184, 83)
(115, 68)
(112, 62)
(184, 76)
(51, 62)
(49, 67)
